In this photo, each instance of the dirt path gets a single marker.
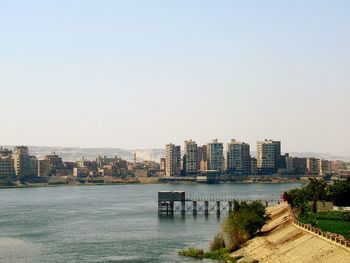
(281, 241)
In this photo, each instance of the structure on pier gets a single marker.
(170, 203)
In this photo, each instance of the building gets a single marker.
(268, 156)
(22, 162)
(312, 166)
(7, 168)
(141, 172)
(299, 165)
(173, 160)
(202, 163)
(190, 163)
(324, 167)
(162, 165)
(215, 156)
(238, 158)
(338, 165)
(289, 163)
(253, 166)
(55, 163)
(44, 168)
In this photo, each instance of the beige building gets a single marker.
(215, 155)
(324, 167)
(162, 164)
(173, 160)
(238, 158)
(191, 157)
(22, 162)
(268, 156)
(312, 167)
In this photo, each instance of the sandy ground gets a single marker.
(281, 241)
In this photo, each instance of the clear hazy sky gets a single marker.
(140, 74)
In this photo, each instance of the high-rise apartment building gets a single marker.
(44, 168)
(7, 168)
(288, 163)
(22, 162)
(191, 158)
(238, 158)
(173, 160)
(268, 156)
(215, 157)
(202, 163)
(324, 167)
(299, 165)
(312, 166)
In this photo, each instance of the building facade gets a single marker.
(324, 167)
(202, 163)
(7, 168)
(215, 157)
(268, 156)
(172, 160)
(312, 166)
(191, 158)
(238, 158)
(22, 162)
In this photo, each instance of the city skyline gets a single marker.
(142, 74)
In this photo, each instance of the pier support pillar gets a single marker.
(194, 208)
(183, 208)
(206, 208)
(218, 208)
(230, 206)
(171, 208)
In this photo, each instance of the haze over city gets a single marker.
(141, 74)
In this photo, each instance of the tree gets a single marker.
(316, 190)
(241, 224)
(339, 193)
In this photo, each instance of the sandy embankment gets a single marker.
(281, 241)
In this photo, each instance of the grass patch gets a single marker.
(222, 254)
(331, 221)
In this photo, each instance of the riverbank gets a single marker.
(281, 241)
(142, 180)
(58, 183)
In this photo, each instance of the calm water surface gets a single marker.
(117, 223)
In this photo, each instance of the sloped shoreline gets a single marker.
(281, 241)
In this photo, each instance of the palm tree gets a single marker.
(316, 190)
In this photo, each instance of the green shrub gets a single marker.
(192, 252)
(218, 242)
(346, 216)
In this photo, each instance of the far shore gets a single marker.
(141, 181)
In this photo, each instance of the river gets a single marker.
(108, 223)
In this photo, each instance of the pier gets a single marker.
(175, 202)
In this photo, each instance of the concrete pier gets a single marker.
(171, 203)
(218, 208)
(206, 208)
(194, 208)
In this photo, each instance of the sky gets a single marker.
(140, 74)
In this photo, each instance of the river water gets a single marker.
(109, 223)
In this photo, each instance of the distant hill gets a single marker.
(76, 153)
